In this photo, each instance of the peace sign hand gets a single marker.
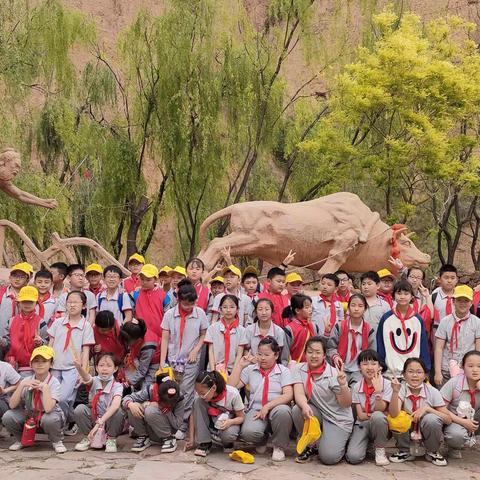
(341, 376)
(395, 384)
(289, 258)
(377, 382)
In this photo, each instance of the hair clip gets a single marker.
(165, 379)
(171, 392)
(134, 321)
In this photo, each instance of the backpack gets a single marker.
(119, 302)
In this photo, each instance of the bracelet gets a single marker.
(283, 265)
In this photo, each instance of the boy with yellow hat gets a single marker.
(176, 274)
(293, 283)
(134, 265)
(94, 275)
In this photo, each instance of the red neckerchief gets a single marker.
(96, 291)
(37, 403)
(95, 400)
(473, 400)
(226, 338)
(68, 337)
(183, 320)
(40, 302)
(213, 411)
(387, 297)
(29, 330)
(455, 329)
(266, 383)
(448, 306)
(345, 330)
(133, 352)
(410, 313)
(310, 374)
(343, 298)
(333, 312)
(202, 295)
(301, 330)
(368, 391)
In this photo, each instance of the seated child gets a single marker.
(107, 336)
(9, 380)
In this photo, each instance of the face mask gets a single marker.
(105, 378)
(413, 388)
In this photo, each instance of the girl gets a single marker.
(37, 397)
(271, 392)
(225, 338)
(195, 268)
(301, 328)
(218, 409)
(262, 327)
(143, 355)
(371, 397)
(322, 391)
(71, 337)
(465, 388)
(349, 337)
(107, 336)
(105, 398)
(155, 413)
(184, 328)
(428, 411)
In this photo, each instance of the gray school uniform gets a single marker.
(253, 336)
(468, 332)
(62, 299)
(375, 312)
(7, 311)
(243, 307)
(250, 308)
(112, 304)
(215, 339)
(321, 313)
(440, 304)
(8, 377)
(49, 309)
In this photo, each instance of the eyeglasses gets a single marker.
(413, 277)
(74, 303)
(343, 280)
(19, 276)
(78, 274)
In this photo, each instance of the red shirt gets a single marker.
(279, 303)
(22, 333)
(110, 342)
(149, 307)
(131, 283)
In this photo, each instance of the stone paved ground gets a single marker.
(40, 463)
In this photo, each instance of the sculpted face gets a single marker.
(410, 254)
(10, 164)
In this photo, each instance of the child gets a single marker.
(322, 391)
(226, 338)
(377, 306)
(195, 269)
(149, 301)
(301, 328)
(350, 337)
(113, 298)
(9, 380)
(176, 275)
(164, 278)
(59, 274)
(107, 336)
(293, 283)
(28, 330)
(184, 328)
(47, 304)
(37, 397)
(70, 336)
(276, 285)
(442, 297)
(103, 411)
(271, 392)
(143, 356)
(94, 275)
(429, 414)
(371, 397)
(327, 310)
(76, 277)
(217, 286)
(386, 285)
(155, 413)
(218, 409)
(401, 333)
(344, 290)
(134, 265)
(250, 283)
(457, 334)
(263, 327)
(421, 296)
(463, 388)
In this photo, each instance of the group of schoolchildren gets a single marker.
(214, 358)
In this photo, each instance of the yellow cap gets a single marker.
(136, 256)
(401, 423)
(463, 291)
(94, 267)
(167, 370)
(24, 267)
(293, 277)
(178, 269)
(27, 294)
(165, 269)
(232, 268)
(149, 271)
(311, 433)
(217, 279)
(242, 457)
(251, 269)
(44, 351)
(385, 272)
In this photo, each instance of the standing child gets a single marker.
(59, 274)
(276, 285)
(250, 287)
(94, 276)
(37, 398)
(327, 310)
(164, 278)
(294, 284)
(442, 297)
(176, 275)
(47, 304)
(217, 286)
(344, 290)
(377, 306)
(107, 336)
(195, 269)
(134, 265)
(218, 409)
(385, 289)
(427, 408)
(350, 337)
(103, 411)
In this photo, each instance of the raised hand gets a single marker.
(341, 376)
(289, 258)
(395, 384)
(377, 382)
(396, 263)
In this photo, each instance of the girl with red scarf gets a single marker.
(155, 413)
(107, 336)
(218, 409)
(195, 269)
(370, 397)
(322, 391)
(351, 336)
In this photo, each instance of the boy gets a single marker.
(113, 298)
(149, 301)
(344, 290)
(37, 396)
(377, 306)
(457, 334)
(76, 278)
(294, 283)
(135, 264)
(164, 278)
(176, 274)
(250, 286)
(442, 297)
(327, 310)
(276, 285)
(386, 285)
(47, 304)
(217, 286)
(59, 273)
(94, 275)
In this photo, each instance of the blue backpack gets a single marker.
(119, 301)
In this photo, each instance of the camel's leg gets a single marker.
(341, 251)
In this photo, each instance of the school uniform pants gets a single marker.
(204, 425)
(456, 435)
(3, 407)
(68, 391)
(186, 380)
(84, 420)
(52, 423)
(333, 442)
(156, 425)
(279, 422)
(375, 429)
(431, 427)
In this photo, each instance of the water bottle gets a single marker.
(220, 419)
(416, 447)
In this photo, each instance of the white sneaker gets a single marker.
(381, 457)
(179, 435)
(59, 447)
(278, 454)
(71, 431)
(14, 447)
(261, 449)
(83, 445)
(111, 445)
